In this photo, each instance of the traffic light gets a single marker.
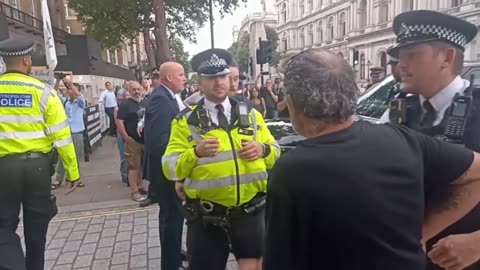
(264, 52)
(355, 57)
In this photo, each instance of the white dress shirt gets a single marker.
(108, 99)
(227, 109)
(442, 100)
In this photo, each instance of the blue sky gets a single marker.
(223, 28)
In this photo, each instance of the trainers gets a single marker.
(136, 196)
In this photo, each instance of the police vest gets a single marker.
(225, 178)
(32, 119)
(471, 137)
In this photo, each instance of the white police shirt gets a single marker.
(440, 101)
(227, 109)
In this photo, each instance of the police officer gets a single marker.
(32, 121)
(222, 148)
(376, 75)
(430, 46)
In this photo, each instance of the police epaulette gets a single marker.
(182, 113)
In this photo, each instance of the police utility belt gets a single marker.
(218, 215)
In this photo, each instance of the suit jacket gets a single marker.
(159, 114)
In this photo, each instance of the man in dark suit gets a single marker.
(160, 112)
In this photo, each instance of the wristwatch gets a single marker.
(266, 150)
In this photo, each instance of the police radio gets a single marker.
(458, 115)
(457, 118)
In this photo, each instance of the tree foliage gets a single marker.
(272, 36)
(179, 54)
(113, 21)
(241, 51)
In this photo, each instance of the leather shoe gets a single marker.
(149, 201)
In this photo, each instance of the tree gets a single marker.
(241, 51)
(113, 21)
(272, 36)
(179, 54)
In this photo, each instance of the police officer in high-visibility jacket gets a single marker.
(223, 149)
(32, 122)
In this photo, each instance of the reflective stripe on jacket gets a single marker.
(225, 179)
(32, 118)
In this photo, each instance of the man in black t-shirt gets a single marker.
(129, 113)
(351, 196)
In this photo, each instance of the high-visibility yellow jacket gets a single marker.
(226, 178)
(32, 119)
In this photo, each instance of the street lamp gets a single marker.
(210, 3)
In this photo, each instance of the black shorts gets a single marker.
(209, 246)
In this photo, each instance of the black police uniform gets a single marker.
(26, 182)
(423, 26)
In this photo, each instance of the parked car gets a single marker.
(370, 107)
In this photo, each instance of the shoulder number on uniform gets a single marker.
(16, 100)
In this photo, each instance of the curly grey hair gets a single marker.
(321, 84)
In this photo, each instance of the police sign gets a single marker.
(16, 100)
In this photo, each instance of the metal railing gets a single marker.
(28, 20)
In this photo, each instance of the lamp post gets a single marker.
(210, 3)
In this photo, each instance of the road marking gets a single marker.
(101, 214)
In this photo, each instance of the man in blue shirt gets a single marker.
(74, 104)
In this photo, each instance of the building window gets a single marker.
(408, 5)
(456, 3)
(67, 13)
(69, 30)
(32, 8)
(294, 41)
(284, 13)
(362, 66)
(285, 41)
(320, 4)
(362, 18)
(14, 3)
(320, 31)
(383, 15)
(330, 28)
(83, 29)
(112, 56)
(310, 6)
(342, 25)
(310, 34)
(302, 37)
(302, 8)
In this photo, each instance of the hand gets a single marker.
(456, 252)
(207, 147)
(180, 189)
(139, 131)
(72, 186)
(251, 151)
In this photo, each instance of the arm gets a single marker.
(58, 130)
(263, 106)
(266, 138)
(461, 196)
(275, 97)
(255, 84)
(180, 158)
(101, 99)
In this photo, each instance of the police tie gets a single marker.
(429, 115)
(222, 118)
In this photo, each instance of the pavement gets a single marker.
(99, 226)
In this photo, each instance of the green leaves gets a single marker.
(241, 51)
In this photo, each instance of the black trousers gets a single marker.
(209, 245)
(26, 183)
(170, 216)
(112, 127)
